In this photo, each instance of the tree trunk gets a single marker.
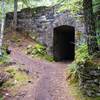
(2, 26)
(15, 15)
(90, 27)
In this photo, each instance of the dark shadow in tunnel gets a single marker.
(64, 43)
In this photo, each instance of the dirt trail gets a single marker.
(51, 79)
(51, 83)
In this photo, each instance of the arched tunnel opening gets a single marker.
(64, 43)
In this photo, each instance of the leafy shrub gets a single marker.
(81, 55)
(38, 51)
(81, 59)
(4, 58)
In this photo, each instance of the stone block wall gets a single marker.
(40, 22)
(89, 79)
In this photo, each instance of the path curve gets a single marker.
(51, 83)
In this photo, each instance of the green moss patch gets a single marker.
(17, 78)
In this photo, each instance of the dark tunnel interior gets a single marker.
(63, 43)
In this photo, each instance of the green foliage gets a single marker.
(38, 51)
(96, 5)
(1, 97)
(82, 59)
(75, 6)
(9, 4)
(81, 55)
(16, 74)
(5, 57)
(17, 77)
(98, 38)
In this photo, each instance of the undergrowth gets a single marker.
(5, 57)
(38, 51)
(17, 79)
(81, 57)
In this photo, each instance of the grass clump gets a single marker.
(38, 51)
(82, 58)
(81, 55)
(3, 59)
(17, 78)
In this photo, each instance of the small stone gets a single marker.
(97, 94)
(7, 94)
(96, 81)
(15, 81)
(90, 93)
(94, 73)
(29, 81)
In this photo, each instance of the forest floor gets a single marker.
(49, 78)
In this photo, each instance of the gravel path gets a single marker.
(51, 82)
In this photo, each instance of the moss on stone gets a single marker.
(35, 10)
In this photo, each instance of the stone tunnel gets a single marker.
(54, 30)
(63, 43)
